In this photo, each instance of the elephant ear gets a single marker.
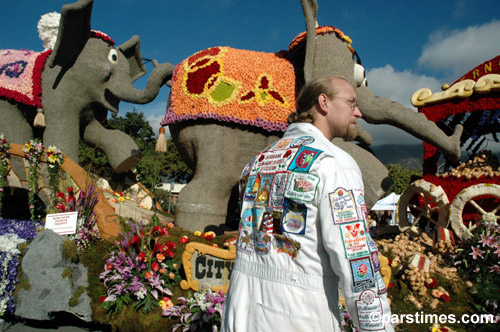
(310, 9)
(132, 51)
(74, 31)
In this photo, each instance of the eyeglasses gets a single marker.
(352, 102)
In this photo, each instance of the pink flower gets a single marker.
(486, 240)
(495, 268)
(476, 252)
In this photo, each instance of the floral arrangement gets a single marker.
(141, 271)
(479, 256)
(321, 31)
(200, 312)
(54, 158)
(23, 75)
(12, 233)
(33, 151)
(4, 162)
(231, 85)
(346, 324)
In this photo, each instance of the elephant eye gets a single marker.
(113, 56)
(359, 75)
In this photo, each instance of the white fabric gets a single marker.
(271, 291)
(388, 203)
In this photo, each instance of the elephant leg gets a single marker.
(14, 124)
(220, 154)
(122, 152)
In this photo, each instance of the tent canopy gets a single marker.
(388, 203)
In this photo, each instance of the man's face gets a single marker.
(344, 112)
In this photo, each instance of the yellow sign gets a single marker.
(207, 267)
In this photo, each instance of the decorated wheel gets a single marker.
(423, 205)
(473, 205)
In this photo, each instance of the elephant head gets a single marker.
(84, 77)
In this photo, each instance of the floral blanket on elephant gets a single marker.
(226, 84)
(21, 75)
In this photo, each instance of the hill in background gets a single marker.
(408, 156)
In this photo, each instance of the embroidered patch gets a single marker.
(302, 140)
(360, 200)
(374, 255)
(369, 307)
(252, 187)
(294, 218)
(286, 245)
(274, 161)
(282, 144)
(264, 189)
(304, 159)
(245, 241)
(267, 225)
(343, 206)
(362, 274)
(262, 243)
(258, 213)
(278, 190)
(301, 186)
(354, 239)
(246, 220)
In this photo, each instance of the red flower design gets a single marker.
(445, 298)
(184, 240)
(141, 256)
(432, 284)
(155, 266)
(102, 298)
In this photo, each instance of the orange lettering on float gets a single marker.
(475, 73)
(487, 67)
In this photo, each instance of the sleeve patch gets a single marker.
(304, 159)
(362, 274)
(368, 305)
(301, 186)
(343, 206)
(354, 239)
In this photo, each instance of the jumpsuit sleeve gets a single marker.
(346, 239)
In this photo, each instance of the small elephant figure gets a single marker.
(73, 86)
(226, 105)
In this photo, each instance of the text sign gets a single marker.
(62, 223)
(207, 267)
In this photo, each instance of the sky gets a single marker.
(403, 45)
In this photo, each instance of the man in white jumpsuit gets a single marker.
(303, 227)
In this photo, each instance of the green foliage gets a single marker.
(70, 251)
(67, 274)
(73, 301)
(400, 177)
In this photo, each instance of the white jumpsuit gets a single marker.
(302, 234)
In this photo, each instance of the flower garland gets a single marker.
(33, 152)
(321, 31)
(12, 233)
(4, 163)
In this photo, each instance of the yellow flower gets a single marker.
(127, 197)
(160, 258)
(197, 233)
(121, 199)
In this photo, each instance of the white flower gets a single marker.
(9, 242)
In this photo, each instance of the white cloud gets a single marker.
(458, 51)
(397, 86)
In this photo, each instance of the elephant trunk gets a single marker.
(127, 92)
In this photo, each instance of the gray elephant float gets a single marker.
(227, 104)
(73, 86)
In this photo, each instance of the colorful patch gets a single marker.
(286, 245)
(267, 225)
(264, 189)
(360, 200)
(302, 140)
(274, 161)
(354, 239)
(246, 220)
(362, 274)
(252, 187)
(301, 186)
(282, 144)
(294, 218)
(245, 241)
(262, 243)
(278, 190)
(304, 159)
(343, 206)
(258, 213)
(369, 307)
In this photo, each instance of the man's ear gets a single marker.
(323, 103)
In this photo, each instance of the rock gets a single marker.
(43, 268)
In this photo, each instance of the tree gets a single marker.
(400, 177)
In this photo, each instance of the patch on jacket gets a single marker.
(362, 274)
(354, 239)
(343, 206)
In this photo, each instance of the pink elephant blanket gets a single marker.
(21, 75)
(232, 85)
